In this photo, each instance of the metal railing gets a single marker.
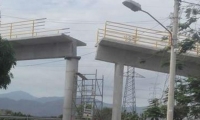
(138, 35)
(27, 118)
(28, 28)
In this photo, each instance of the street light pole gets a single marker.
(173, 36)
(172, 71)
(134, 6)
(159, 24)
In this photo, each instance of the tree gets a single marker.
(129, 116)
(193, 85)
(188, 28)
(142, 117)
(7, 61)
(17, 114)
(153, 111)
(187, 96)
(106, 114)
(181, 108)
(189, 16)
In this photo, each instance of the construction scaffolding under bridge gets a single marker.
(89, 97)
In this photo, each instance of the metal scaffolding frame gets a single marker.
(89, 96)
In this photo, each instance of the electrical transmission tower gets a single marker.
(129, 100)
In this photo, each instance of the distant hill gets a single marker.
(20, 101)
(18, 95)
(32, 107)
(48, 99)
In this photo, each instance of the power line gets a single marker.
(80, 22)
(190, 3)
(84, 22)
(53, 61)
(16, 17)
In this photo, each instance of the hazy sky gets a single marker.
(83, 17)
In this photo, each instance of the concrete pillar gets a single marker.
(117, 92)
(70, 87)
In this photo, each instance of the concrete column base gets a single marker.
(70, 87)
(117, 94)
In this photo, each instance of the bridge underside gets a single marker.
(44, 47)
(144, 57)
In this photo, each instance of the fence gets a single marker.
(27, 118)
(139, 35)
(28, 28)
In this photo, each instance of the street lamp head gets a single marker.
(134, 6)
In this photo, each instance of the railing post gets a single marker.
(156, 44)
(126, 38)
(169, 40)
(197, 49)
(97, 36)
(105, 29)
(33, 28)
(136, 35)
(11, 27)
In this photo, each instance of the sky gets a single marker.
(43, 78)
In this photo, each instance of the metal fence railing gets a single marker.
(28, 118)
(138, 35)
(28, 28)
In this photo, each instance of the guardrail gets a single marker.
(27, 118)
(138, 35)
(28, 28)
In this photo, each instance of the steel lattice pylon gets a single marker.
(129, 99)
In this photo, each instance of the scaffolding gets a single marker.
(89, 97)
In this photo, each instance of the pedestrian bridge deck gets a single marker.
(138, 47)
(32, 41)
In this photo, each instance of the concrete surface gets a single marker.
(117, 92)
(131, 54)
(57, 46)
(70, 88)
(43, 47)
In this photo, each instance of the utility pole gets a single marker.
(172, 72)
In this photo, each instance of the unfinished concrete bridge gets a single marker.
(117, 43)
(129, 45)
(31, 41)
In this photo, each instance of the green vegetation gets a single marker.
(187, 27)
(154, 111)
(7, 61)
(129, 116)
(187, 96)
(11, 113)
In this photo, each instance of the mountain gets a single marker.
(32, 107)
(20, 101)
(18, 95)
(48, 99)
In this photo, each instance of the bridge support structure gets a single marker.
(70, 87)
(117, 92)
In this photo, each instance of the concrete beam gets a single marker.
(131, 54)
(57, 46)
